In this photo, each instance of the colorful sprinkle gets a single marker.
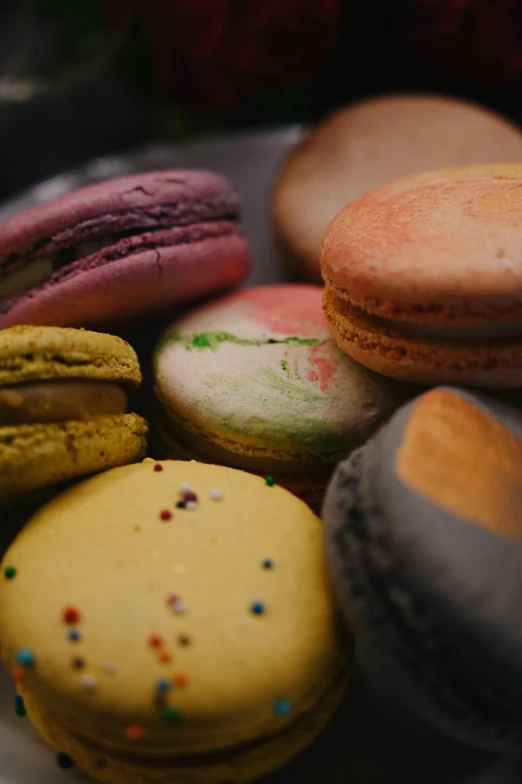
(270, 481)
(74, 635)
(191, 505)
(216, 495)
(64, 761)
(71, 615)
(180, 504)
(78, 663)
(258, 608)
(18, 674)
(10, 572)
(19, 706)
(165, 656)
(158, 467)
(165, 514)
(184, 639)
(267, 563)
(180, 679)
(190, 495)
(89, 681)
(25, 658)
(176, 603)
(109, 667)
(163, 685)
(155, 641)
(134, 732)
(282, 707)
(171, 715)
(185, 487)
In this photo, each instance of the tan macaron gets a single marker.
(362, 146)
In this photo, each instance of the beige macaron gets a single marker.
(367, 144)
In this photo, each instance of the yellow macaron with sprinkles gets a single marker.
(173, 622)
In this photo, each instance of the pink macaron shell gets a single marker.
(133, 191)
(135, 285)
(285, 309)
(447, 237)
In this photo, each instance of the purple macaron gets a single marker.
(121, 249)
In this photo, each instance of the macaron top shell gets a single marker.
(31, 353)
(134, 202)
(441, 246)
(258, 370)
(439, 494)
(203, 626)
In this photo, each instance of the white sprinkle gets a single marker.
(193, 461)
(191, 505)
(88, 681)
(185, 487)
(216, 495)
(109, 667)
(179, 607)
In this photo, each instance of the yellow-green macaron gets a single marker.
(63, 404)
(186, 632)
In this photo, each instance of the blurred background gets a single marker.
(84, 78)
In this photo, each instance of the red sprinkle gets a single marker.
(165, 514)
(134, 732)
(18, 674)
(158, 467)
(189, 496)
(180, 679)
(71, 615)
(164, 656)
(155, 641)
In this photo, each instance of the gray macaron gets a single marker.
(424, 538)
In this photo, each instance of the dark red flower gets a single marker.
(216, 52)
(470, 43)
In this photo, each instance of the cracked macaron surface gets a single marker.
(181, 636)
(120, 249)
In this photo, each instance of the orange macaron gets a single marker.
(424, 277)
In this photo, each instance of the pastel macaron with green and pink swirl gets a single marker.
(255, 381)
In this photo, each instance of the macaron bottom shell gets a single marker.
(235, 765)
(487, 363)
(37, 455)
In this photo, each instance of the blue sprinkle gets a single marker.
(267, 563)
(163, 685)
(282, 707)
(64, 761)
(19, 706)
(257, 608)
(26, 657)
(74, 635)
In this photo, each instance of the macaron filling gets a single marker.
(452, 331)
(60, 401)
(426, 322)
(32, 266)
(175, 747)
